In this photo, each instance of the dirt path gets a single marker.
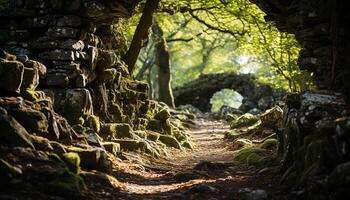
(207, 172)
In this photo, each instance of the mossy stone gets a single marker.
(269, 143)
(170, 141)
(252, 156)
(123, 130)
(135, 145)
(73, 162)
(244, 121)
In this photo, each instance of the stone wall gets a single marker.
(74, 40)
(314, 144)
(320, 27)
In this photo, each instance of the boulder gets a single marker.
(252, 156)
(93, 159)
(57, 80)
(272, 118)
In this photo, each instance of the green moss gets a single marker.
(170, 141)
(73, 162)
(93, 122)
(68, 185)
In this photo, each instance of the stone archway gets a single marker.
(199, 92)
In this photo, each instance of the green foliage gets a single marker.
(225, 97)
(212, 36)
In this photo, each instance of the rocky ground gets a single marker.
(207, 172)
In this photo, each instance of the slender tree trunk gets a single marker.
(163, 62)
(141, 34)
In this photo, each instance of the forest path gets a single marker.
(207, 172)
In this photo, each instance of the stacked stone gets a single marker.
(256, 96)
(74, 39)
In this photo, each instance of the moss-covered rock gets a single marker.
(93, 122)
(269, 143)
(242, 143)
(93, 159)
(170, 141)
(252, 156)
(123, 130)
(73, 162)
(136, 145)
(244, 121)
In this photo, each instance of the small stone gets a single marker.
(58, 54)
(57, 80)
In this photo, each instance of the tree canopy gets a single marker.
(211, 36)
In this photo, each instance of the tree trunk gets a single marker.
(141, 34)
(163, 62)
